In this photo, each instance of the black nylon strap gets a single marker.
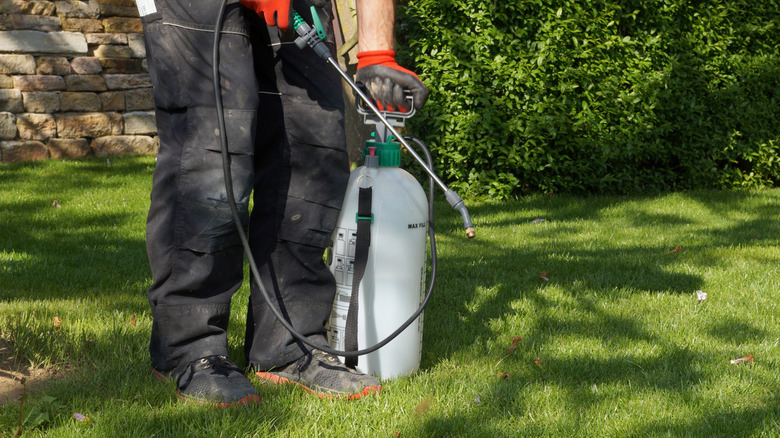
(364, 219)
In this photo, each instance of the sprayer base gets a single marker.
(324, 375)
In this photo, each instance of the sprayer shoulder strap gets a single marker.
(363, 241)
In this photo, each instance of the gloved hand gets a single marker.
(386, 81)
(277, 12)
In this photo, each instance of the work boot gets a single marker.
(213, 380)
(323, 374)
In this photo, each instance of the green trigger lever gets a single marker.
(315, 17)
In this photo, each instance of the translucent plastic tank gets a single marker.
(394, 281)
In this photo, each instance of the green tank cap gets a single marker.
(389, 153)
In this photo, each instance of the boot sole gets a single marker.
(281, 380)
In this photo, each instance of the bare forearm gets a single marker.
(376, 19)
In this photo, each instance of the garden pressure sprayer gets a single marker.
(379, 266)
(378, 257)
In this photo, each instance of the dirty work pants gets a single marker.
(284, 115)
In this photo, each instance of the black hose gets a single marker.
(429, 160)
(242, 234)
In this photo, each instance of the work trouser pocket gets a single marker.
(205, 218)
(179, 57)
(319, 168)
(162, 61)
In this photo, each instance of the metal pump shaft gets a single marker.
(309, 36)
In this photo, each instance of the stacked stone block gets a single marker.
(73, 80)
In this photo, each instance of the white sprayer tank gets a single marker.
(393, 285)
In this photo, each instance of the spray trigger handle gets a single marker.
(311, 37)
(315, 17)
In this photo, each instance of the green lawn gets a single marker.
(613, 343)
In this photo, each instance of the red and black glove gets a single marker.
(276, 12)
(386, 81)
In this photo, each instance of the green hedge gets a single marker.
(630, 96)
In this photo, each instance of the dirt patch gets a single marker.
(12, 373)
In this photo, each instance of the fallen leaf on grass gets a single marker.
(538, 361)
(543, 276)
(56, 204)
(503, 375)
(57, 322)
(397, 434)
(132, 319)
(516, 340)
(423, 407)
(677, 248)
(748, 358)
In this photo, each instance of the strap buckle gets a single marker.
(359, 218)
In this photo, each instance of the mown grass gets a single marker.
(614, 342)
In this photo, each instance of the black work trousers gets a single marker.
(284, 117)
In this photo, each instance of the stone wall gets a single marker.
(73, 80)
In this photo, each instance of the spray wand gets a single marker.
(314, 37)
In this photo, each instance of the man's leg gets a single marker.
(192, 243)
(302, 172)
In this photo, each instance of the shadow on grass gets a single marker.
(85, 255)
(81, 252)
(117, 391)
(481, 283)
(59, 252)
(725, 421)
(90, 252)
